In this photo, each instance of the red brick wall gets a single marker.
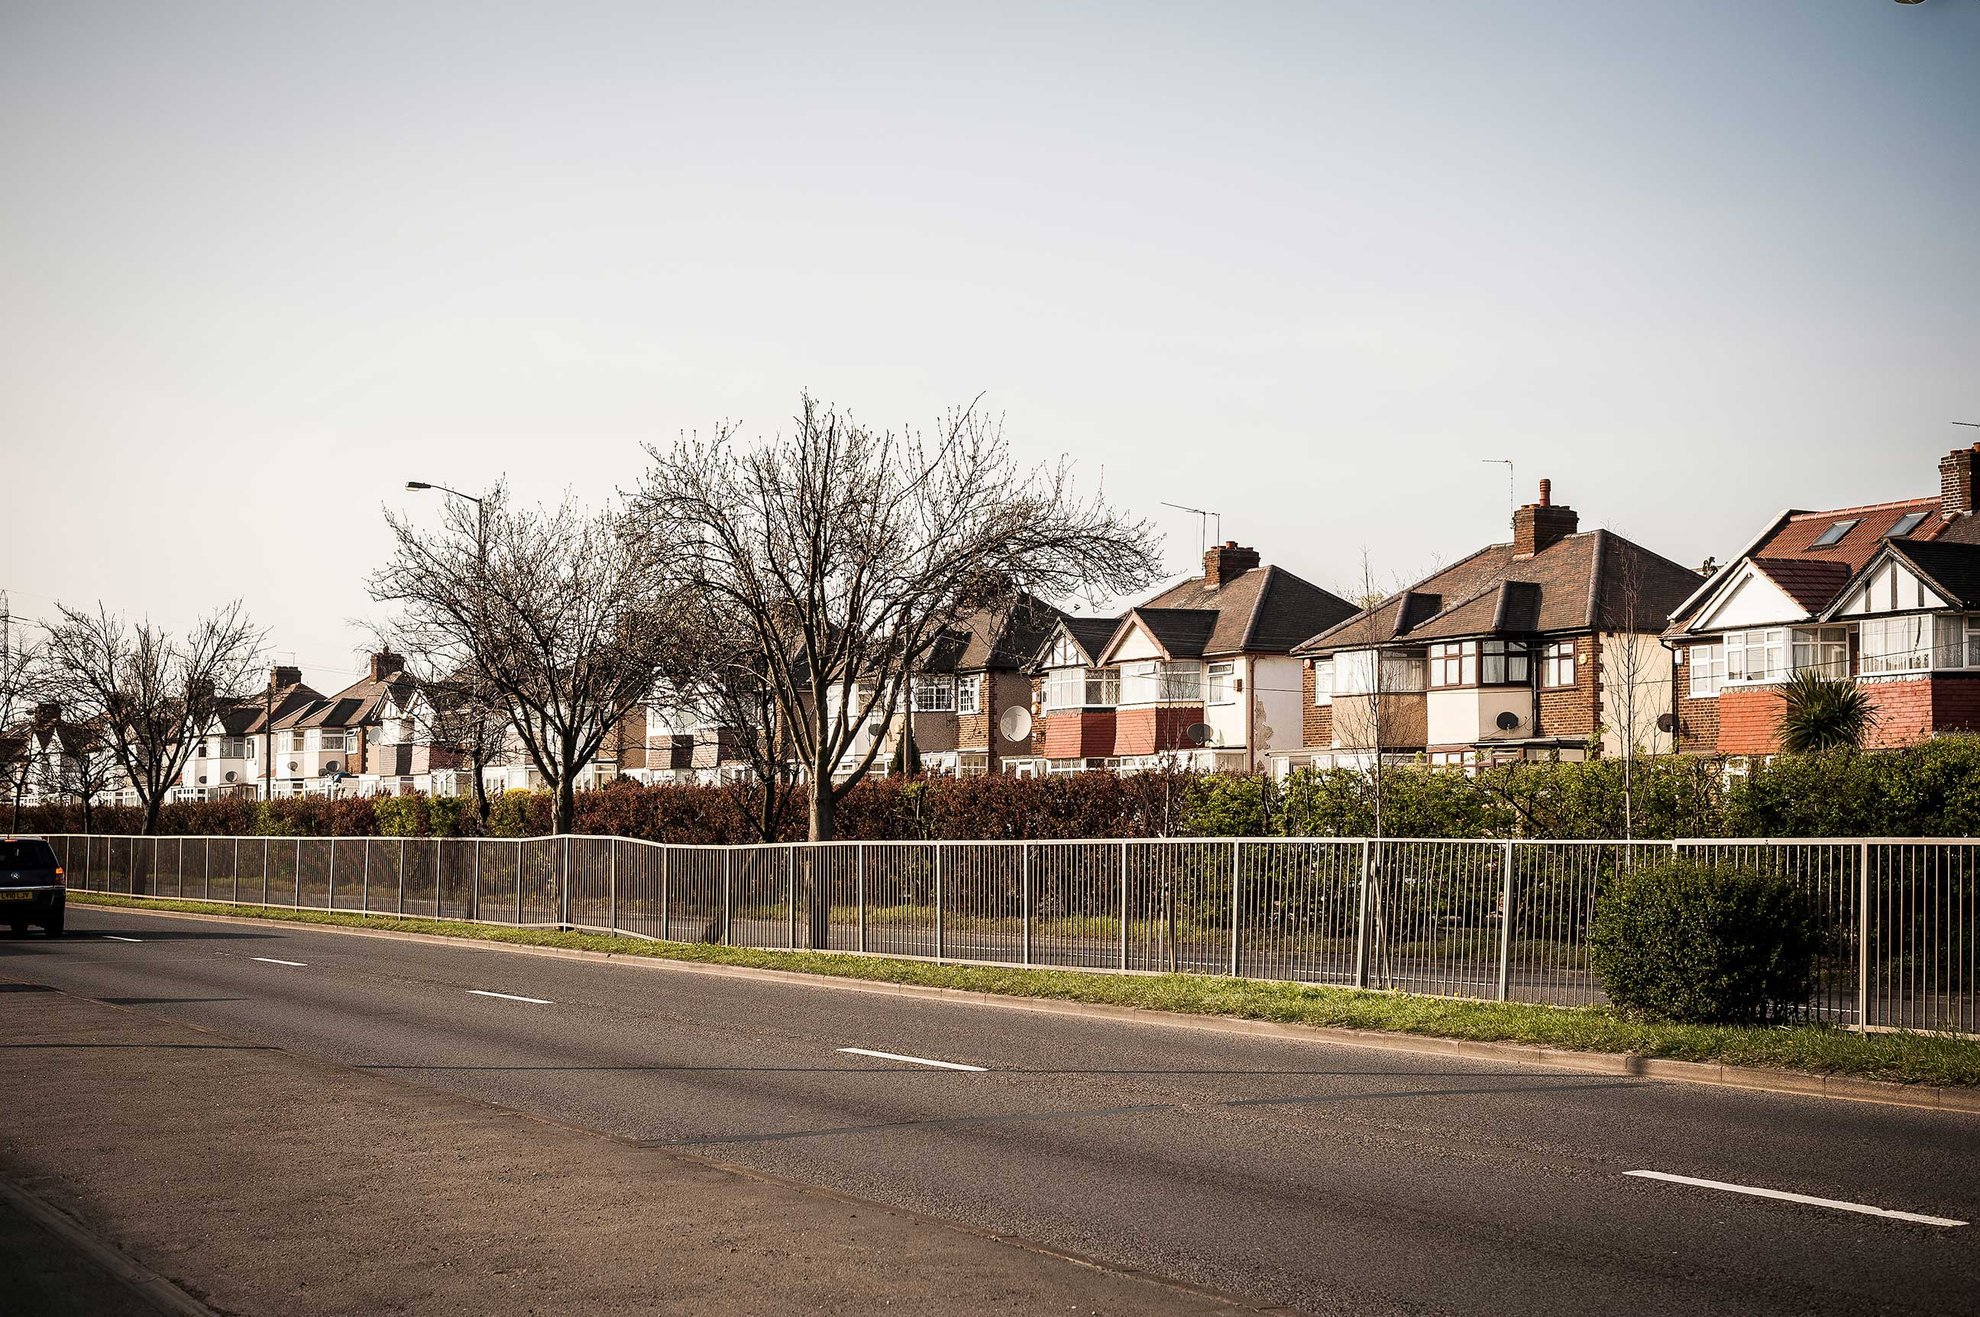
(1316, 721)
(1154, 729)
(1956, 702)
(1750, 720)
(1076, 733)
(1698, 719)
(1573, 710)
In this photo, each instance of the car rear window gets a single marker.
(26, 855)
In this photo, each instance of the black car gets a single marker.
(31, 889)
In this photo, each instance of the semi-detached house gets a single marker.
(1544, 646)
(1886, 595)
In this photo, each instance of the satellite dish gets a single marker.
(293, 765)
(1198, 734)
(1508, 720)
(232, 776)
(202, 780)
(332, 767)
(1015, 723)
(1666, 723)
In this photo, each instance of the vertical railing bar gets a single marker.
(1024, 902)
(1505, 921)
(330, 901)
(1361, 924)
(728, 933)
(1236, 891)
(1124, 905)
(859, 889)
(940, 939)
(613, 880)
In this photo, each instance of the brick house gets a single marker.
(1200, 676)
(1885, 594)
(1546, 645)
(1073, 699)
(958, 696)
(228, 759)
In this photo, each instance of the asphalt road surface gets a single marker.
(1318, 1176)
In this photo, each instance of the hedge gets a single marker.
(1929, 790)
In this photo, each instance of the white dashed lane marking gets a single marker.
(912, 1060)
(1837, 1204)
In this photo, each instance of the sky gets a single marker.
(1312, 266)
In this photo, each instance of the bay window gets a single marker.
(1159, 681)
(1082, 688)
(1354, 673)
(1758, 655)
(1897, 644)
(1822, 649)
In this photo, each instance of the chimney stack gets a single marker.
(279, 677)
(1539, 526)
(386, 664)
(1956, 482)
(1227, 562)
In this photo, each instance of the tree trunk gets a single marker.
(824, 809)
(480, 794)
(566, 818)
(151, 808)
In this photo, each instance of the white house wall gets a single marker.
(1276, 688)
(1891, 589)
(1634, 720)
(1465, 715)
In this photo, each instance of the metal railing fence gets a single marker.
(1497, 920)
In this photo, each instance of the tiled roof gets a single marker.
(1001, 638)
(1183, 632)
(1265, 609)
(1583, 582)
(1810, 582)
(1091, 634)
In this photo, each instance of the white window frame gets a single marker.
(969, 693)
(330, 739)
(932, 693)
(1708, 669)
(1821, 649)
(1219, 682)
(1757, 656)
(1886, 649)
(1323, 682)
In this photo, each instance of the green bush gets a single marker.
(1703, 943)
(400, 816)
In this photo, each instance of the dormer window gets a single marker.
(1904, 525)
(1834, 534)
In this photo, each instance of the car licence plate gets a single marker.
(16, 895)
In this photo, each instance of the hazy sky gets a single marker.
(1304, 264)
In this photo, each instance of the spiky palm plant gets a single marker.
(1825, 713)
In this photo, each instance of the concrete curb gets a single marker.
(1752, 1078)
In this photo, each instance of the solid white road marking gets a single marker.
(510, 996)
(270, 960)
(1837, 1203)
(912, 1060)
(112, 937)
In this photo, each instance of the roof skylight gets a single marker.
(1835, 533)
(1904, 525)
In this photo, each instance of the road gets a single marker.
(1322, 1177)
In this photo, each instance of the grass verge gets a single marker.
(1909, 1058)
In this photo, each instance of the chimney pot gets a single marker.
(386, 664)
(278, 677)
(1540, 526)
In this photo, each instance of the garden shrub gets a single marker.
(1699, 942)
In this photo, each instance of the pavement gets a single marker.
(380, 1133)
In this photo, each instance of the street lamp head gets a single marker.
(417, 484)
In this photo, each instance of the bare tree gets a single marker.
(465, 722)
(149, 694)
(22, 677)
(561, 615)
(846, 552)
(85, 770)
(1635, 669)
(725, 679)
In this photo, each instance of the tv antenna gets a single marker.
(1203, 517)
(1512, 495)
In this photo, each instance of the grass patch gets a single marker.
(1910, 1058)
